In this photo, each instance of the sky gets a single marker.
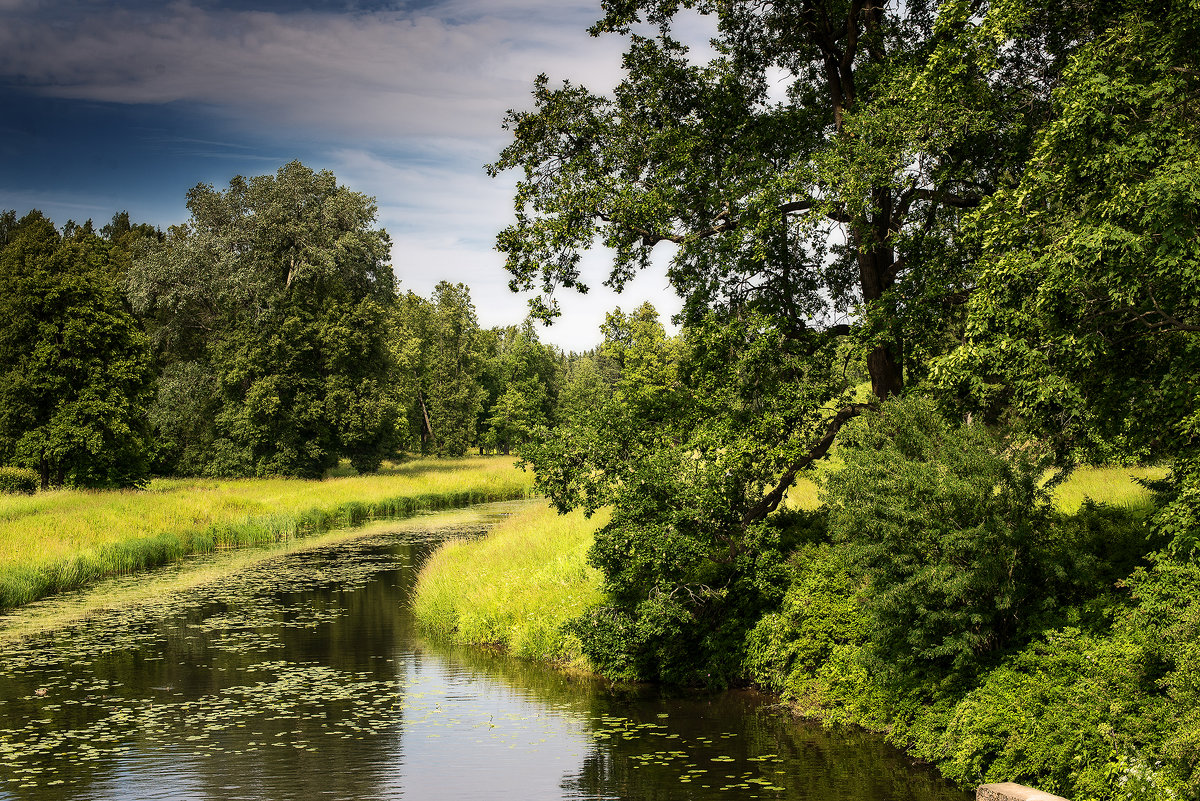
(110, 106)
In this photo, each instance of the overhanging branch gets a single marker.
(770, 502)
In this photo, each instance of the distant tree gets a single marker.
(527, 386)
(74, 364)
(440, 355)
(450, 389)
(127, 235)
(584, 387)
(612, 422)
(272, 302)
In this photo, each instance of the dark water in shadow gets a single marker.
(304, 678)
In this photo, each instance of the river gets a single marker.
(303, 677)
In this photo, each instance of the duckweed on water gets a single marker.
(266, 665)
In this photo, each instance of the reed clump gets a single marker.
(63, 540)
(515, 587)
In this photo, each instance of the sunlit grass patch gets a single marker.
(1114, 485)
(62, 540)
(515, 587)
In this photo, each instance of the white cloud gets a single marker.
(443, 217)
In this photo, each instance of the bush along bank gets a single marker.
(952, 608)
(941, 596)
(26, 580)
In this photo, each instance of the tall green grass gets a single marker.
(1114, 485)
(63, 540)
(515, 587)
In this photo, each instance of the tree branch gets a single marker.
(770, 502)
(949, 198)
(721, 223)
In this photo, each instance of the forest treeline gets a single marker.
(265, 336)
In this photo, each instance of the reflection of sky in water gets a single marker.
(462, 735)
(466, 734)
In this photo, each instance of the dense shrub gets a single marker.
(1111, 715)
(683, 580)
(810, 650)
(15, 480)
(1104, 705)
(949, 528)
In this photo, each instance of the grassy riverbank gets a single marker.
(62, 540)
(514, 588)
(131, 591)
(1079, 710)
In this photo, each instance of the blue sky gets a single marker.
(107, 106)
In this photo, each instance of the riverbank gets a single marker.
(64, 540)
(514, 588)
(1102, 706)
(127, 593)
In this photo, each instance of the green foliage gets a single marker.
(74, 364)
(439, 352)
(1105, 715)
(683, 578)
(683, 438)
(1099, 706)
(812, 223)
(269, 310)
(1085, 315)
(18, 480)
(950, 527)
(524, 377)
(810, 649)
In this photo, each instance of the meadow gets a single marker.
(65, 539)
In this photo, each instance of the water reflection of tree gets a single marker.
(811, 762)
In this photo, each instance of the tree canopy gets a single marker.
(269, 308)
(74, 363)
(961, 197)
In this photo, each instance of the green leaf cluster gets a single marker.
(269, 313)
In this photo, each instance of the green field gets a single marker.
(61, 540)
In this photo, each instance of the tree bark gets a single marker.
(425, 415)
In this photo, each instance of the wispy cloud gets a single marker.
(451, 69)
(402, 103)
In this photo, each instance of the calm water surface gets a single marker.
(304, 678)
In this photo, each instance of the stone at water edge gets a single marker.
(1010, 791)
